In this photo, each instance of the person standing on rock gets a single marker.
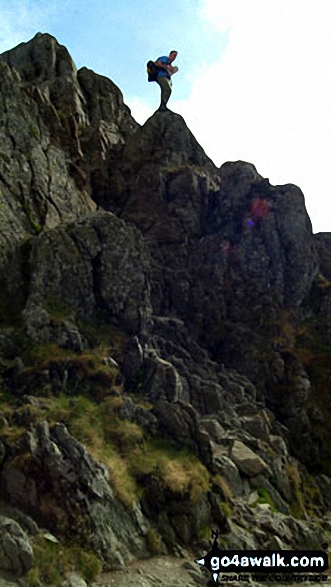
(164, 77)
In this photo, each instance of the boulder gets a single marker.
(16, 554)
(229, 472)
(74, 581)
(258, 426)
(247, 461)
(179, 421)
(162, 381)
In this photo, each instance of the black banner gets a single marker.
(264, 561)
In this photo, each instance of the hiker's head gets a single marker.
(173, 55)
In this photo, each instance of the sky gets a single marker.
(253, 81)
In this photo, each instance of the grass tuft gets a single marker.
(53, 562)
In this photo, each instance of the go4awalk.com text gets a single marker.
(263, 563)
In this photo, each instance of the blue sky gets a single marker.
(117, 37)
(253, 80)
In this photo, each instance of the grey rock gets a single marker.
(253, 498)
(79, 484)
(229, 471)
(74, 581)
(275, 543)
(132, 363)
(16, 554)
(188, 518)
(162, 380)
(180, 421)
(213, 428)
(85, 267)
(48, 536)
(240, 538)
(67, 336)
(2, 447)
(246, 460)
(279, 445)
(208, 397)
(306, 534)
(24, 520)
(130, 411)
(324, 483)
(36, 188)
(282, 478)
(21, 488)
(258, 426)
(277, 499)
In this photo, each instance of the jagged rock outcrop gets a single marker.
(225, 241)
(36, 188)
(218, 290)
(81, 96)
(49, 116)
(98, 267)
(59, 466)
(232, 256)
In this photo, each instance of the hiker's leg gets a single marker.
(165, 85)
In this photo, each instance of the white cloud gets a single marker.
(267, 100)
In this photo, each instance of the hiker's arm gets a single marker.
(162, 65)
(172, 69)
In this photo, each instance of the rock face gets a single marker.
(60, 466)
(96, 266)
(16, 554)
(50, 116)
(218, 294)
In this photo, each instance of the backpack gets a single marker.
(152, 71)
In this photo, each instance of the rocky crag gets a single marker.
(165, 336)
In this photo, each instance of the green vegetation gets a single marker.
(34, 132)
(123, 446)
(264, 497)
(312, 497)
(297, 506)
(205, 533)
(57, 308)
(54, 561)
(88, 374)
(103, 336)
(227, 509)
(154, 541)
(176, 470)
(221, 486)
(89, 404)
(35, 226)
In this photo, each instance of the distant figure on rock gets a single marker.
(166, 70)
